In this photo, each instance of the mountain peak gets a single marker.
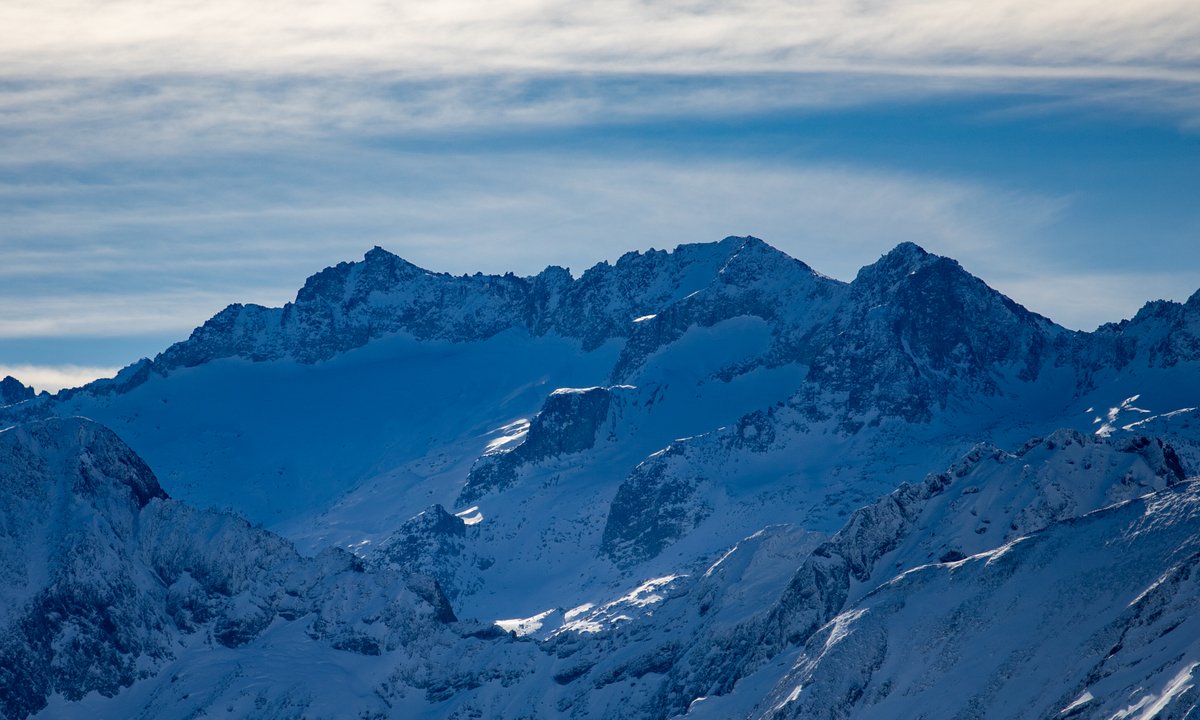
(377, 253)
(909, 249)
(96, 464)
(906, 255)
(907, 260)
(13, 390)
(919, 329)
(737, 245)
(378, 270)
(380, 264)
(749, 246)
(742, 241)
(755, 263)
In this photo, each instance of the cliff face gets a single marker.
(570, 421)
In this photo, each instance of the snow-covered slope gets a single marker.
(118, 591)
(1090, 618)
(279, 440)
(983, 501)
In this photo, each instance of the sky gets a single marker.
(160, 160)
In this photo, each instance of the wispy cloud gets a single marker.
(77, 120)
(474, 36)
(497, 205)
(85, 79)
(53, 378)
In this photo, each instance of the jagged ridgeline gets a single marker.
(704, 483)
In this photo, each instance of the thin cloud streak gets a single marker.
(118, 313)
(497, 204)
(73, 122)
(86, 119)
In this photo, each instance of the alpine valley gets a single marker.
(704, 483)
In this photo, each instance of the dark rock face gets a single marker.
(570, 421)
(13, 390)
(655, 506)
(75, 638)
(77, 456)
(663, 499)
(434, 525)
(916, 330)
(427, 588)
(605, 300)
(430, 545)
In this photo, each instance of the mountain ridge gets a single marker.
(652, 490)
(331, 313)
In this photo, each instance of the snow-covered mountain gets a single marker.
(107, 582)
(673, 485)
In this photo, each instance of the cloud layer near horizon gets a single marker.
(52, 378)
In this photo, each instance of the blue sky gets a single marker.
(161, 160)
